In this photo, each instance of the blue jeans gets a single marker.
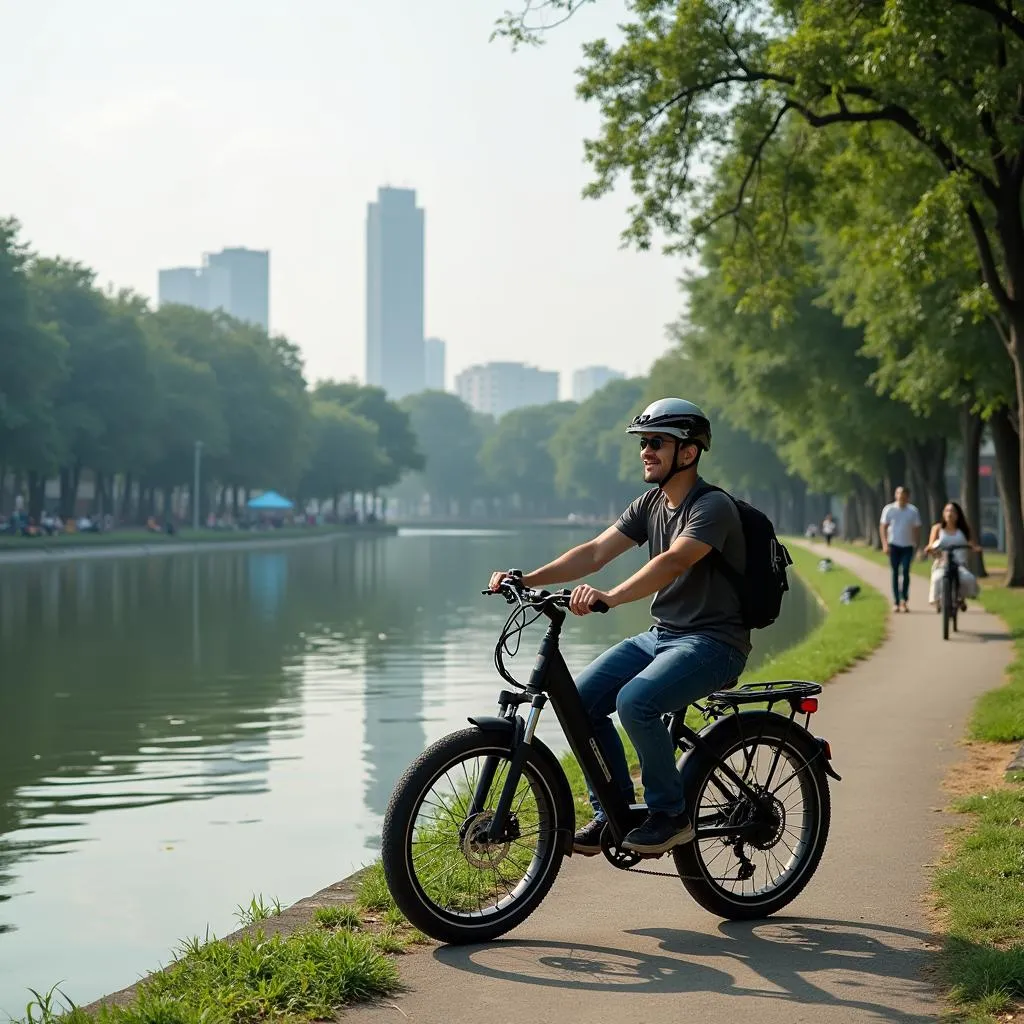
(643, 678)
(900, 558)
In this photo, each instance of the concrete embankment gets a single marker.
(39, 552)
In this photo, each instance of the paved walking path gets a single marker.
(854, 947)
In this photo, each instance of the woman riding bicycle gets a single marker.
(953, 532)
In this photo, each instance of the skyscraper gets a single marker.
(240, 283)
(234, 280)
(395, 357)
(590, 379)
(183, 286)
(433, 362)
(498, 388)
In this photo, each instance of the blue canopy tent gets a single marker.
(270, 501)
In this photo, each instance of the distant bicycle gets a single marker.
(477, 827)
(949, 595)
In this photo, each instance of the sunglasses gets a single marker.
(654, 443)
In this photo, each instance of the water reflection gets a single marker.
(177, 733)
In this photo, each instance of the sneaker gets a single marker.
(587, 840)
(659, 833)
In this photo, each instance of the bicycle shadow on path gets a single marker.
(812, 962)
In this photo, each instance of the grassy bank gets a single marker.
(848, 633)
(337, 959)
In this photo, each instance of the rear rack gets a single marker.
(790, 690)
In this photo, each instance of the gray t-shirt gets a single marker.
(702, 599)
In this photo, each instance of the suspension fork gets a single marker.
(520, 749)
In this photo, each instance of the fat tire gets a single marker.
(689, 864)
(400, 818)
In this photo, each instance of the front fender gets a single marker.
(566, 805)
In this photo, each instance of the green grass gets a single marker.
(257, 910)
(981, 887)
(999, 714)
(306, 976)
(341, 916)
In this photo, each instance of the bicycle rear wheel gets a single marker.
(751, 876)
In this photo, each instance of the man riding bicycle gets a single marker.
(698, 643)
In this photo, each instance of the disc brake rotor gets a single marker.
(476, 848)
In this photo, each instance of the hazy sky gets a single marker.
(139, 133)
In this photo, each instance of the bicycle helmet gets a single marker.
(675, 417)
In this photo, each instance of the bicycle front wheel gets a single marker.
(445, 875)
(757, 872)
(947, 606)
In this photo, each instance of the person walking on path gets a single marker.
(900, 530)
(828, 528)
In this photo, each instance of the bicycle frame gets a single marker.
(551, 680)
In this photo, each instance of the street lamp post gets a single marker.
(197, 459)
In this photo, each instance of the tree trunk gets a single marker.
(1008, 450)
(895, 473)
(97, 494)
(970, 495)
(36, 494)
(128, 483)
(851, 518)
(926, 461)
(798, 490)
(868, 514)
(69, 477)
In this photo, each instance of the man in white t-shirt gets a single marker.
(900, 530)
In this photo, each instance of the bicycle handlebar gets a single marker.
(512, 589)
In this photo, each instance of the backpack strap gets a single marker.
(735, 577)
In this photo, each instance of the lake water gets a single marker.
(178, 733)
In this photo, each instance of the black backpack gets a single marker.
(763, 582)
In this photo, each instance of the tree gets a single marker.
(738, 461)
(699, 83)
(345, 453)
(602, 467)
(33, 356)
(517, 457)
(932, 352)
(105, 404)
(449, 435)
(261, 395)
(395, 432)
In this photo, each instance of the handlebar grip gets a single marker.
(599, 606)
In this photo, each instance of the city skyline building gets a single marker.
(433, 361)
(395, 353)
(235, 280)
(588, 379)
(498, 388)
